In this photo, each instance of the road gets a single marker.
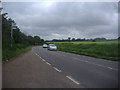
(87, 71)
(30, 71)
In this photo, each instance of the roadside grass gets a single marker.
(106, 49)
(0, 54)
(91, 42)
(12, 52)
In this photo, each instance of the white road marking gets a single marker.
(93, 63)
(76, 82)
(109, 67)
(41, 57)
(57, 69)
(48, 63)
(96, 64)
(87, 62)
(36, 54)
(43, 60)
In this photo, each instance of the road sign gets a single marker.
(14, 26)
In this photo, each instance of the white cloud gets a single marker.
(62, 20)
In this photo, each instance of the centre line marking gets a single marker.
(57, 69)
(40, 57)
(69, 77)
(43, 60)
(36, 54)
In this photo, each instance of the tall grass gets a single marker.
(103, 50)
(8, 53)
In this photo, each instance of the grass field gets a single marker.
(102, 49)
(91, 42)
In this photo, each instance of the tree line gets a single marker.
(18, 36)
(69, 39)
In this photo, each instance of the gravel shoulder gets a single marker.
(29, 71)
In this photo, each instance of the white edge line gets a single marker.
(48, 63)
(104, 66)
(109, 67)
(69, 77)
(96, 64)
(57, 69)
(83, 61)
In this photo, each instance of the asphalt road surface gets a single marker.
(87, 71)
(30, 71)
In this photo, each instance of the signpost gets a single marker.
(13, 26)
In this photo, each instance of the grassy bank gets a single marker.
(90, 42)
(106, 49)
(17, 50)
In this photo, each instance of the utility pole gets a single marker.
(11, 36)
(0, 36)
(0, 7)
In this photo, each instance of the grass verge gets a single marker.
(107, 51)
(11, 52)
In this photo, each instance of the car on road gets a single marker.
(45, 45)
(52, 47)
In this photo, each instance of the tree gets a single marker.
(118, 38)
(73, 39)
(20, 40)
(37, 40)
(100, 39)
(78, 39)
(6, 27)
(69, 38)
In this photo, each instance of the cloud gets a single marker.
(59, 20)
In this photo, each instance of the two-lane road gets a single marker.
(89, 72)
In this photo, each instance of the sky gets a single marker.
(60, 20)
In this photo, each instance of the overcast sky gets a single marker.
(60, 20)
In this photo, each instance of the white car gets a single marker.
(52, 47)
(45, 45)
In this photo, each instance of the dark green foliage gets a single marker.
(20, 40)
